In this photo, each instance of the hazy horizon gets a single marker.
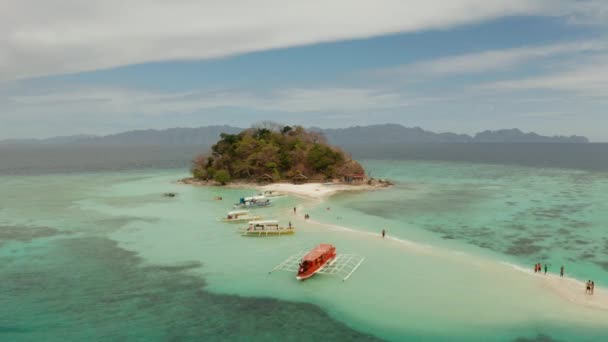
(245, 127)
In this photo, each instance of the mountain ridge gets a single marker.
(381, 133)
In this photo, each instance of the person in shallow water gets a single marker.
(561, 271)
(545, 268)
(294, 210)
(383, 232)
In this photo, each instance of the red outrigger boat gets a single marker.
(321, 260)
(313, 261)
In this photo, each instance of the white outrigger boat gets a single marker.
(267, 228)
(253, 202)
(238, 216)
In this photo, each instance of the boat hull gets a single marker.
(244, 219)
(261, 233)
(312, 273)
(251, 206)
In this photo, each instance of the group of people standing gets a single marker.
(539, 268)
(590, 286)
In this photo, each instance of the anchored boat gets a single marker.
(267, 228)
(253, 202)
(314, 260)
(238, 216)
(321, 260)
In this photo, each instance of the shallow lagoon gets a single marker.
(105, 256)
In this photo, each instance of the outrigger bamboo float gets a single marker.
(321, 260)
(239, 216)
(267, 228)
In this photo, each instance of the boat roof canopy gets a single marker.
(236, 212)
(257, 198)
(317, 252)
(264, 222)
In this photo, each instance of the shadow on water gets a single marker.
(538, 338)
(26, 234)
(87, 288)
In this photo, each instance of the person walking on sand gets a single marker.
(535, 268)
(561, 271)
(294, 210)
(592, 286)
(588, 287)
(545, 268)
(383, 233)
(289, 224)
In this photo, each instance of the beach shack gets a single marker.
(354, 178)
(265, 178)
(299, 179)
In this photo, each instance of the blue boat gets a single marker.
(253, 202)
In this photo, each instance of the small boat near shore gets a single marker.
(239, 216)
(314, 260)
(253, 202)
(271, 194)
(266, 228)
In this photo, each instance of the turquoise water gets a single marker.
(525, 215)
(104, 256)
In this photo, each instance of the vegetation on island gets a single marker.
(273, 152)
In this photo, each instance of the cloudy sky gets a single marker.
(98, 67)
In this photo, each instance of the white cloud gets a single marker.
(587, 79)
(61, 36)
(493, 60)
(295, 100)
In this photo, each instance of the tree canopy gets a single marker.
(272, 149)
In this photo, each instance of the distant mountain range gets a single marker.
(393, 133)
(375, 134)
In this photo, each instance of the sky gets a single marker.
(99, 67)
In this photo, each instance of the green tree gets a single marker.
(211, 172)
(323, 159)
(222, 177)
(199, 165)
(279, 150)
(286, 130)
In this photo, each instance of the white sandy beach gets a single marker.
(567, 289)
(307, 190)
(315, 190)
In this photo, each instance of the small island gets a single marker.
(276, 157)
